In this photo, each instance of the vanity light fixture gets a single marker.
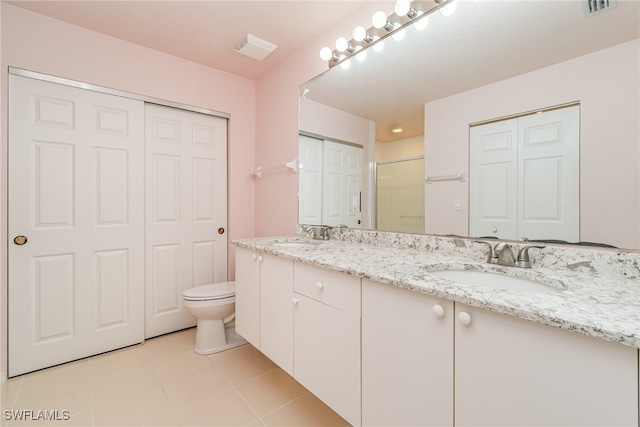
(383, 26)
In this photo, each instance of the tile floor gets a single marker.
(164, 383)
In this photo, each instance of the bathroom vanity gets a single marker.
(363, 323)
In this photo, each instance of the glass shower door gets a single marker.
(400, 195)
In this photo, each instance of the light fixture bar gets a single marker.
(406, 12)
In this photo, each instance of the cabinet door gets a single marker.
(276, 311)
(248, 295)
(407, 357)
(510, 371)
(327, 355)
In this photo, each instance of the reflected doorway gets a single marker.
(400, 195)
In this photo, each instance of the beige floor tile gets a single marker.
(192, 388)
(118, 359)
(247, 365)
(118, 383)
(305, 411)
(224, 409)
(179, 364)
(270, 391)
(145, 408)
(9, 392)
(169, 344)
(74, 399)
(55, 378)
(233, 353)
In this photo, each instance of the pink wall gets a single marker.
(34, 42)
(606, 84)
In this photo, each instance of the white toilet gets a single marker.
(214, 305)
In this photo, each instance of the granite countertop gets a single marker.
(594, 304)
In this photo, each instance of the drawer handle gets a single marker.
(464, 318)
(319, 285)
(295, 301)
(438, 310)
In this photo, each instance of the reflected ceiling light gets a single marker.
(403, 7)
(397, 130)
(345, 64)
(361, 54)
(378, 46)
(360, 34)
(449, 9)
(398, 35)
(380, 21)
(421, 23)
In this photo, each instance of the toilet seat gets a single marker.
(214, 291)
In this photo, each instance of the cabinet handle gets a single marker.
(255, 256)
(319, 285)
(464, 318)
(259, 258)
(295, 301)
(438, 310)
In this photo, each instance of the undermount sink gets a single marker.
(295, 243)
(486, 279)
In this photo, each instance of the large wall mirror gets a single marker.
(494, 61)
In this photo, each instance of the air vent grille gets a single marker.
(254, 47)
(593, 7)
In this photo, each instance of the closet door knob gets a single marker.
(20, 240)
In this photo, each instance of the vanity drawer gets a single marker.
(339, 290)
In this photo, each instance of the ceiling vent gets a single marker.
(593, 7)
(254, 47)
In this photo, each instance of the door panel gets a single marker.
(186, 207)
(76, 193)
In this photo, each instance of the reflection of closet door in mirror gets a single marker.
(524, 177)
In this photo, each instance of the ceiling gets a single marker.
(204, 31)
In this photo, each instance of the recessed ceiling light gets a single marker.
(397, 130)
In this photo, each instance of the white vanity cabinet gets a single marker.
(427, 361)
(510, 371)
(327, 337)
(407, 357)
(264, 313)
(248, 294)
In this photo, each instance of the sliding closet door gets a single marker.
(186, 211)
(76, 189)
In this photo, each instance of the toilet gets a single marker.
(214, 307)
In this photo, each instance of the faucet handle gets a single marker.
(492, 258)
(523, 256)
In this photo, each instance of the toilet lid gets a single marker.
(212, 291)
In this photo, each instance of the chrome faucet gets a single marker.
(502, 254)
(318, 232)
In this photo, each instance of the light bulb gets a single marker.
(398, 35)
(326, 54)
(345, 64)
(342, 44)
(379, 19)
(402, 7)
(359, 33)
(362, 54)
(449, 9)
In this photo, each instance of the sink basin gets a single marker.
(295, 243)
(486, 279)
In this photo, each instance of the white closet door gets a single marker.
(186, 211)
(549, 175)
(493, 179)
(76, 193)
(342, 184)
(310, 181)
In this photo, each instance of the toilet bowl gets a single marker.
(214, 306)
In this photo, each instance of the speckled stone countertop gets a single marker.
(599, 291)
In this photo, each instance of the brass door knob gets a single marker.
(220, 230)
(20, 240)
